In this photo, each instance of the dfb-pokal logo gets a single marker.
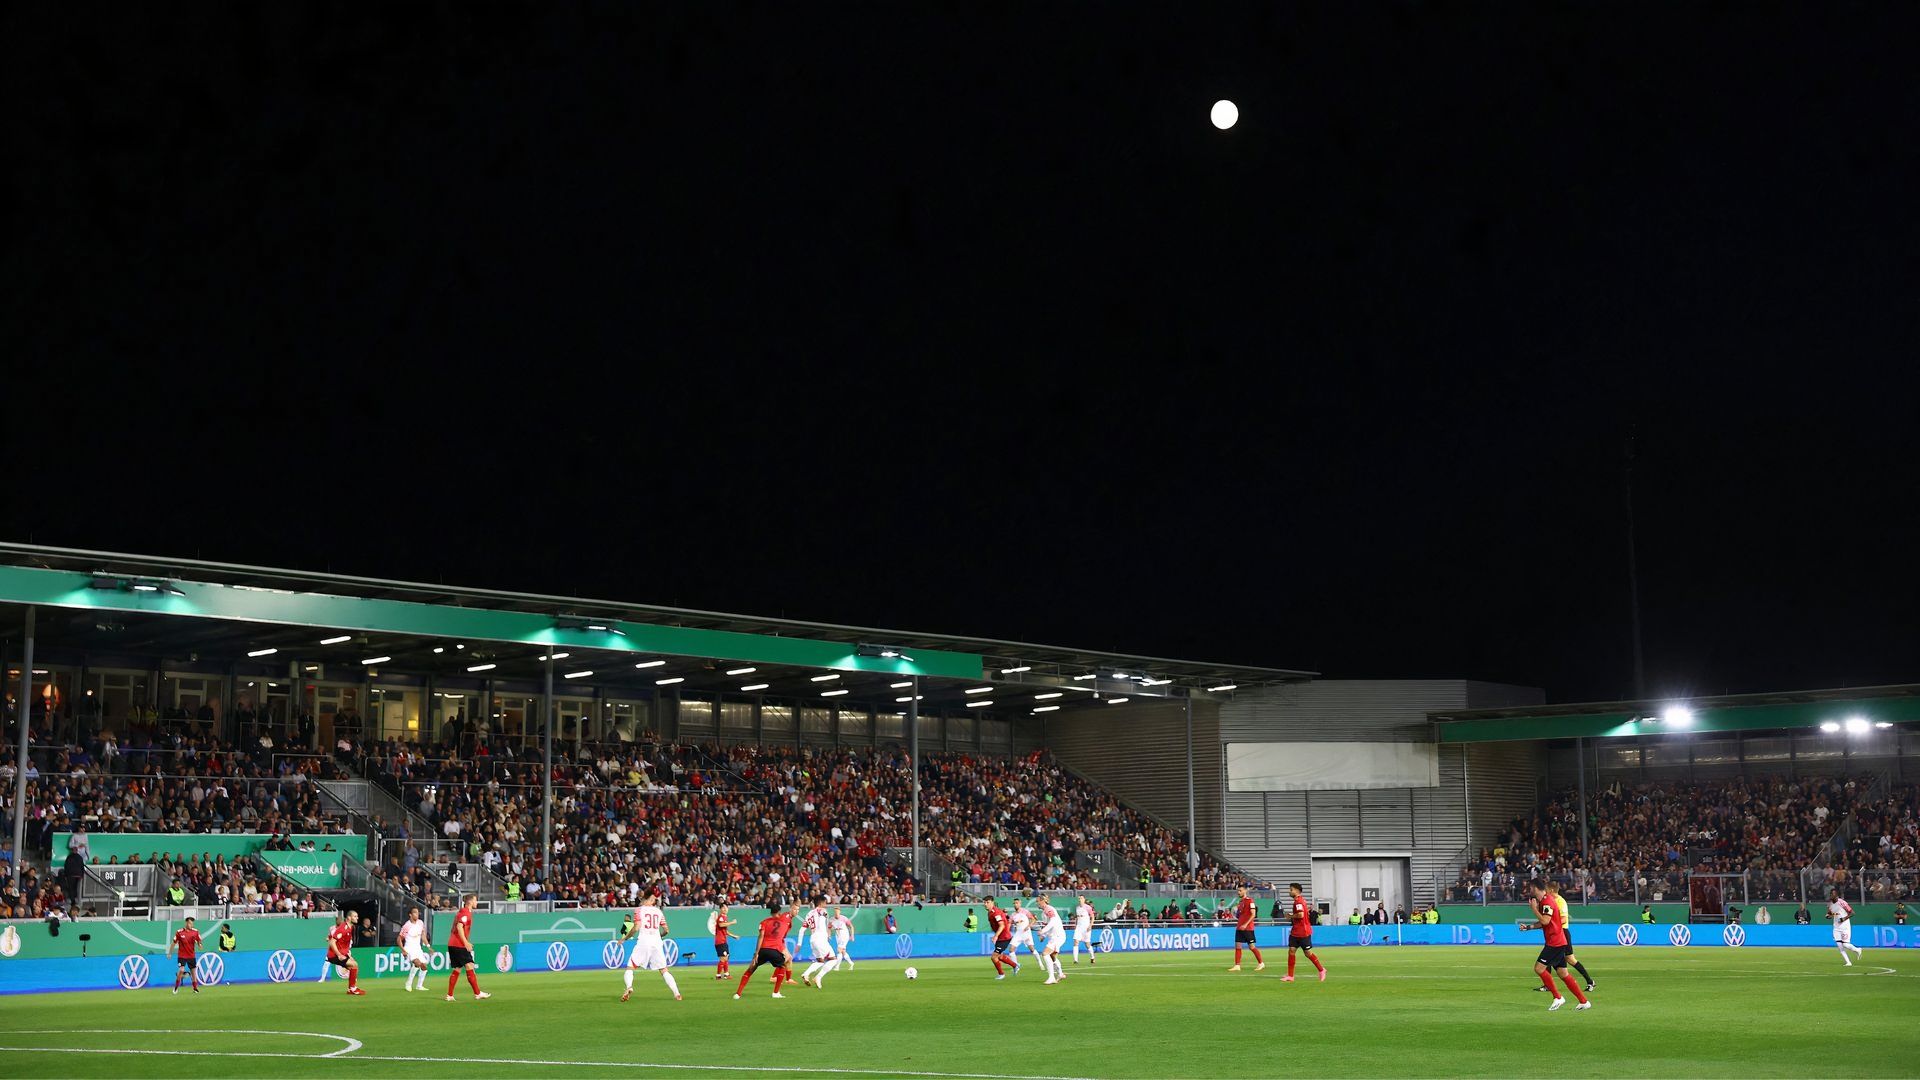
(1734, 935)
(1106, 941)
(9, 942)
(671, 950)
(280, 966)
(903, 946)
(210, 969)
(133, 972)
(1625, 934)
(1679, 936)
(557, 956)
(612, 955)
(503, 960)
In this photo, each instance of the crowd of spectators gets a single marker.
(1644, 839)
(1882, 858)
(749, 822)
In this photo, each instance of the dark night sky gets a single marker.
(961, 317)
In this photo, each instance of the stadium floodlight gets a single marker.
(835, 693)
(668, 682)
(1830, 726)
(371, 660)
(1015, 670)
(482, 667)
(1882, 724)
(755, 686)
(742, 670)
(884, 652)
(977, 704)
(146, 585)
(575, 622)
(650, 664)
(1047, 708)
(338, 640)
(262, 652)
(1856, 725)
(1048, 697)
(1677, 715)
(1222, 689)
(824, 678)
(978, 690)
(576, 674)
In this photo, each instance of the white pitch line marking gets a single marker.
(351, 1043)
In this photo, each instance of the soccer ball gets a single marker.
(913, 973)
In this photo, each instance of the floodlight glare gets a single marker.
(1830, 726)
(1678, 715)
(1856, 725)
(1225, 114)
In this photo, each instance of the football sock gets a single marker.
(1548, 981)
(628, 976)
(353, 978)
(473, 980)
(453, 983)
(1289, 964)
(1582, 969)
(1256, 955)
(1317, 965)
(742, 988)
(1236, 955)
(672, 987)
(1574, 987)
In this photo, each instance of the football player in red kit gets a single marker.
(1244, 915)
(1300, 938)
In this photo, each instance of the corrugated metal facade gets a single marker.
(1273, 834)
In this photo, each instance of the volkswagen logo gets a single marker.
(1366, 935)
(1106, 941)
(612, 955)
(557, 956)
(903, 946)
(503, 960)
(1678, 935)
(210, 969)
(1734, 935)
(671, 949)
(1626, 934)
(133, 972)
(280, 966)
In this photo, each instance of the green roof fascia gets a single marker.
(203, 600)
(1705, 719)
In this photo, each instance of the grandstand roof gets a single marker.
(152, 605)
(1732, 712)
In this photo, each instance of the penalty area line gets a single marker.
(415, 1059)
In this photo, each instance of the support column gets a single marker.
(546, 783)
(23, 715)
(1580, 760)
(913, 760)
(1193, 838)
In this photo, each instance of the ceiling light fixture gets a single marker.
(823, 678)
(977, 704)
(651, 664)
(376, 660)
(576, 674)
(336, 640)
(483, 667)
(1048, 708)
(978, 690)
(263, 652)
(1222, 689)
(1015, 670)
(835, 693)
(742, 671)
(1048, 697)
(1116, 701)
(755, 686)
(668, 682)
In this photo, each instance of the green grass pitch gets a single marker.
(1384, 1012)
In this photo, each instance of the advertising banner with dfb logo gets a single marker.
(309, 869)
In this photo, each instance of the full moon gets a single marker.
(1225, 114)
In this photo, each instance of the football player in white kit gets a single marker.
(1054, 935)
(842, 937)
(1841, 913)
(1083, 930)
(816, 927)
(413, 949)
(649, 950)
(1022, 931)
